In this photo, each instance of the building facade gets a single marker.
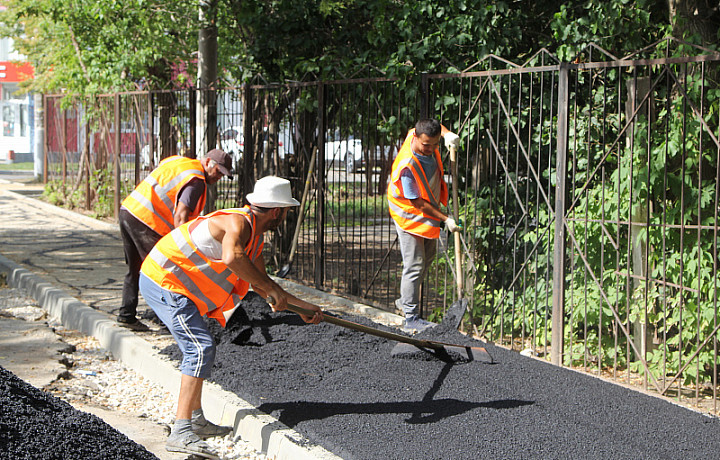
(16, 111)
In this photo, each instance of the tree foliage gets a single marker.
(87, 47)
(100, 45)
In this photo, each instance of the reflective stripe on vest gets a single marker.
(176, 264)
(154, 200)
(433, 190)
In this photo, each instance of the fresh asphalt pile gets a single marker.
(37, 425)
(342, 390)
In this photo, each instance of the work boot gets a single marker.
(182, 439)
(131, 322)
(415, 324)
(205, 428)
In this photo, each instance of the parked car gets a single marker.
(232, 142)
(350, 154)
(345, 152)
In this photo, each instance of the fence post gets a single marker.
(248, 154)
(558, 307)
(320, 203)
(192, 115)
(116, 204)
(424, 93)
(151, 128)
(87, 165)
(63, 148)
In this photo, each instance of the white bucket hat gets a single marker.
(272, 192)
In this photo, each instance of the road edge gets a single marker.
(263, 432)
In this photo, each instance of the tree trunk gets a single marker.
(694, 17)
(206, 129)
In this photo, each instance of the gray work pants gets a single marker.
(417, 254)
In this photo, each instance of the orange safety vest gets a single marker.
(176, 264)
(432, 189)
(154, 200)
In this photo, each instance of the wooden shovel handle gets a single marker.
(362, 328)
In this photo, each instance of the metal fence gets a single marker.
(589, 192)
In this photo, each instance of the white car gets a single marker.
(231, 141)
(346, 152)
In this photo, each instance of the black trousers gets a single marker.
(138, 240)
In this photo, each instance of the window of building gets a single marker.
(9, 91)
(8, 120)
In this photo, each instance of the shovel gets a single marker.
(442, 350)
(454, 315)
(282, 273)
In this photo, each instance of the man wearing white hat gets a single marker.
(204, 268)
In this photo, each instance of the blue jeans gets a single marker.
(186, 325)
(417, 254)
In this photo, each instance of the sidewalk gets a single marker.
(74, 266)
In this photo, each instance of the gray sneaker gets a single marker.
(415, 324)
(190, 443)
(209, 430)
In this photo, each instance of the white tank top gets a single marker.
(209, 246)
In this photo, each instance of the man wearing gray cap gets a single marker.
(173, 193)
(204, 268)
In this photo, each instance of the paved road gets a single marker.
(78, 254)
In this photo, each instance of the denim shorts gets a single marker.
(186, 325)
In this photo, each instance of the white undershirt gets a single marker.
(212, 249)
(209, 246)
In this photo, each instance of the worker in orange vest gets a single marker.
(173, 193)
(416, 192)
(204, 268)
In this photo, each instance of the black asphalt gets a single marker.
(342, 390)
(35, 425)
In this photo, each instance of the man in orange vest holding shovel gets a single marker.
(416, 191)
(173, 193)
(204, 268)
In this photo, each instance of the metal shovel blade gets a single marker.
(454, 315)
(446, 353)
(282, 273)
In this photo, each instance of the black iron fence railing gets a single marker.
(589, 193)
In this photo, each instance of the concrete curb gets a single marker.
(264, 432)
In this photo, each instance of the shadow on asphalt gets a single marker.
(292, 413)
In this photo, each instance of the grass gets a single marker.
(28, 165)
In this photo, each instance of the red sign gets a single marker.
(11, 72)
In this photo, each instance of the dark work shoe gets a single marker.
(209, 430)
(190, 443)
(415, 324)
(131, 323)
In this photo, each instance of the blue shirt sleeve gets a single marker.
(410, 188)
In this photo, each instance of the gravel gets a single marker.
(42, 423)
